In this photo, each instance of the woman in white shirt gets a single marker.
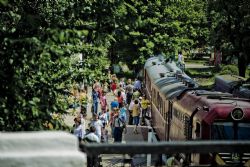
(78, 129)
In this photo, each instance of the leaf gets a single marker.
(4, 2)
(150, 44)
(61, 36)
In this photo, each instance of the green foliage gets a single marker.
(229, 22)
(229, 69)
(36, 62)
(160, 26)
(39, 41)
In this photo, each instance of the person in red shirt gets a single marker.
(113, 86)
(120, 99)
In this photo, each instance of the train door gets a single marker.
(165, 115)
(169, 117)
(196, 135)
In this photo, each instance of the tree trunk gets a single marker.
(242, 63)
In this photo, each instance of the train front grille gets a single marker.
(235, 158)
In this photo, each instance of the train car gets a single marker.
(158, 74)
(238, 86)
(155, 70)
(183, 111)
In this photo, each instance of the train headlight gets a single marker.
(237, 114)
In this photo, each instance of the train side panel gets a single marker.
(158, 112)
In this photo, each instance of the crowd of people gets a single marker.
(129, 106)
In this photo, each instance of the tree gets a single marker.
(38, 39)
(37, 44)
(157, 27)
(230, 29)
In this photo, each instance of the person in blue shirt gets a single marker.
(114, 104)
(137, 85)
(95, 96)
(123, 113)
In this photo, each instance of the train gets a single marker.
(181, 110)
(238, 86)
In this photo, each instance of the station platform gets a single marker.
(117, 160)
(131, 137)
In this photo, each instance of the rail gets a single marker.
(93, 150)
(166, 147)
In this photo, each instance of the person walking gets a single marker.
(120, 98)
(91, 137)
(119, 127)
(103, 101)
(82, 115)
(145, 104)
(138, 85)
(97, 123)
(135, 115)
(78, 129)
(123, 113)
(180, 57)
(136, 94)
(181, 61)
(129, 91)
(130, 110)
(113, 86)
(95, 96)
(104, 118)
(114, 104)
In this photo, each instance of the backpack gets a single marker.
(121, 123)
(120, 99)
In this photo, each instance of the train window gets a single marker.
(155, 101)
(165, 111)
(160, 105)
(198, 130)
(186, 127)
(158, 100)
(166, 115)
(179, 115)
(230, 131)
(175, 113)
(182, 118)
(170, 110)
(153, 96)
(148, 83)
(243, 131)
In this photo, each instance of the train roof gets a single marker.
(154, 61)
(243, 91)
(165, 81)
(232, 80)
(159, 69)
(173, 90)
(156, 72)
(212, 93)
(172, 67)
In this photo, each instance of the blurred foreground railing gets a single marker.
(166, 147)
(94, 149)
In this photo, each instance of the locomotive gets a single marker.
(181, 110)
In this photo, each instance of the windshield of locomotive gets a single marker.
(230, 131)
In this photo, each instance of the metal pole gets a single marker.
(150, 136)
